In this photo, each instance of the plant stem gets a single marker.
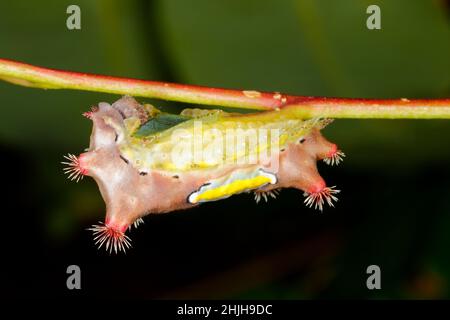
(304, 107)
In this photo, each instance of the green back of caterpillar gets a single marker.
(208, 139)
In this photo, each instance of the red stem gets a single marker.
(28, 75)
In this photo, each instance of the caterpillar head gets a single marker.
(119, 183)
(106, 128)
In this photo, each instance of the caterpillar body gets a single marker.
(147, 162)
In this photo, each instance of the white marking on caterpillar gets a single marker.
(271, 176)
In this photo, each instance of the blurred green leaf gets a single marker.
(311, 47)
(324, 48)
(112, 40)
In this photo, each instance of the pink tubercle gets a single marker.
(82, 166)
(118, 227)
(87, 114)
(112, 238)
(333, 151)
(90, 113)
(317, 187)
(334, 156)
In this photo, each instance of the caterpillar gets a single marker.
(146, 161)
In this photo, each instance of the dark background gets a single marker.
(394, 209)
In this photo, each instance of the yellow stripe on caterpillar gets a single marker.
(237, 182)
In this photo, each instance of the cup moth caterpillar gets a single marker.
(147, 162)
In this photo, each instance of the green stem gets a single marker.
(304, 107)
